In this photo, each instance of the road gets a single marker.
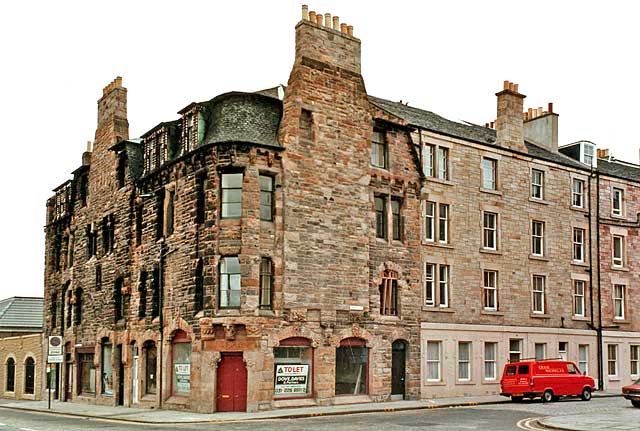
(501, 417)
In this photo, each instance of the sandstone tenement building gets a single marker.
(317, 245)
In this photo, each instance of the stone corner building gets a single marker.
(316, 245)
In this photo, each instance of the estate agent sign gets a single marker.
(291, 379)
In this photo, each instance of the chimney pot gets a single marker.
(343, 28)
(89, 146)
(515, 88)
(327, 20)
(319, 18)
(312, 16)
(506, 85)
(550, 108)
(350, 30)
(305, 12)
(336, 23)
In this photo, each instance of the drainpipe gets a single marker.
(161, 316)
(599, 327)
(592, 325)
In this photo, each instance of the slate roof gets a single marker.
(618, 169)
(429, 121)
(21, 314)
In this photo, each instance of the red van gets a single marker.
(549, 379)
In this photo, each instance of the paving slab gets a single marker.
(627, 419)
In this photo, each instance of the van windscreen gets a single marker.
(523, 369)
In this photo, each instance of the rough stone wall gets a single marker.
(20, 348)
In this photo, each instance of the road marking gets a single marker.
(26, 429)
(530, 424)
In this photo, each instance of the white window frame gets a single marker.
(619, 297)
(579, 298)
(429, 221)
(537, 184)
(488, 231)
(379, 139)
(617, 253)
(577, 195)
(444, 277)
(430, 284)
(428, 160)
(563, 350)
(443, 221)
(634, 360)
(490, 346)
(490, 289)
(578, 245)
(515, 352)
(437, 361)
(462, 362)
(539, 236)
(492, 165)
(539, 291)
(583, 363)
(617, 194)
(442, 156)
(613, 360)
(588, 154)
(544, 350)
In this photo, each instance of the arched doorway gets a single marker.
(398, 368)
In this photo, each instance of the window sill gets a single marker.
(581, 209)
(439, 181)
(490, 382)
(389, 318)
(621, 321)
(580, 318)
(178, 399)
(613, 378)
(490, 251)
(538, 201)
(465, 383)
(437, 309)
(491, 191)
(492, 312)
(539, 316)
(620, 268)
(435, 383)
(437, 244)
(618, 216)
(227, 312)
(577, 263)
(540, 258)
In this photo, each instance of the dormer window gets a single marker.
(587, 154)
(188, 133)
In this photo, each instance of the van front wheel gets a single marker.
(586, 394)
(516, 399)
(547, 396)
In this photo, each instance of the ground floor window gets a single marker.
(87, 373)
(150, 367)
(515, 350)
(106, 371)
(612, 360)
(583, 358)
(29, 376)
(181, 359)
(541, 351)
(634, 355)
(293, 369)
(10, 384)
(490, 355)
(433, 361)
(464, 360)
(351, 367)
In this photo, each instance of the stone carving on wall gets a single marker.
(229, 332)
(297, 315)
(254, 331)
(207, 331)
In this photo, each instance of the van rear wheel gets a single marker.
(547, 396)
(635, 403)
(516, 399)
(586, 394)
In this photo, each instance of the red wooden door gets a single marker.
(231, 390)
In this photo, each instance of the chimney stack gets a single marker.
(509, 123)
(541, 127)
(603, 153)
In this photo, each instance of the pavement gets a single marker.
(627, 419)
(148, 416)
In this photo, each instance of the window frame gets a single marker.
(488, 361)
(221, 274)
(10, 363)
(579, 297)
(376, 146)
(619, 299)
(540, 291)
(579, 194)
(537, 184)
(388, 291)
(489, 165)
(585, 348)
(617, 211)
(444, 286)
(634, 360)
(181, 340)
(381, 216)
(487, 289)
(618, 255)
(266, 277)
(612, 360)
(437, 361)
(270, 193)
(537, 237)
(396, 218)
(442, 157)
(429, 221)
(515, 352)
(466, 362)
(443, 223)
(578, 245)
(429, 285)
(544, 350)
(488, 230)
(224, 202)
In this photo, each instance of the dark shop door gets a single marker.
(398, 364)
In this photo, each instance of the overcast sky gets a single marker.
(449, 57)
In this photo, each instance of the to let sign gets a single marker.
(291, 379)
(54, 355)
